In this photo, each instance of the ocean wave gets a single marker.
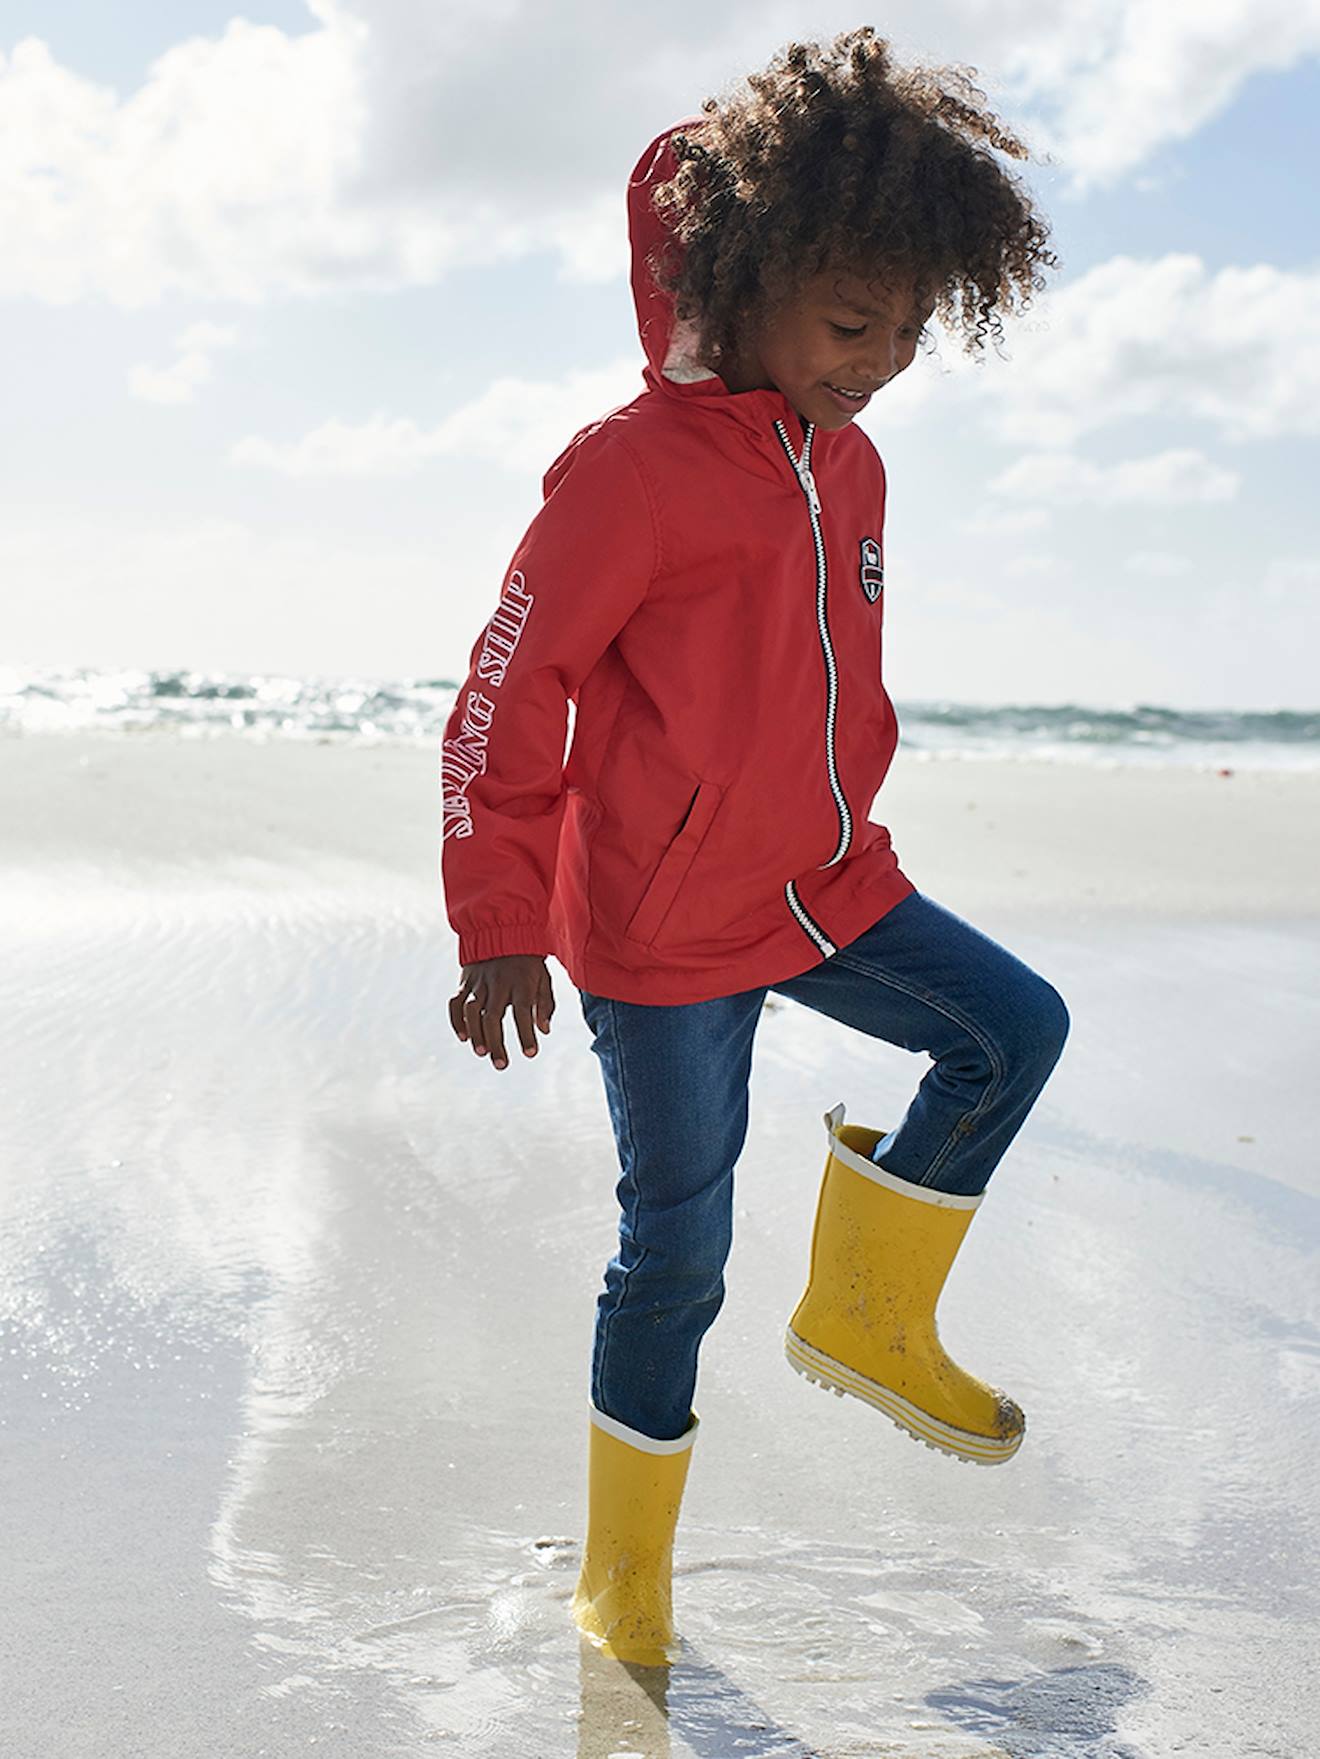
(414, 711)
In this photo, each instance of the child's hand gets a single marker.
(520, 981)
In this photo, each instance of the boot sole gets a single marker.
(838, 1378)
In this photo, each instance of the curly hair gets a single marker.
(836, 158)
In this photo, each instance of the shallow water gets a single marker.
(297, 1298)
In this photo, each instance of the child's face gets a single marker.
(841, 333)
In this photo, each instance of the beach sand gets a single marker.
(296, 1299)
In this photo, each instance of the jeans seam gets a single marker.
(631, 1217)
(950, 1012)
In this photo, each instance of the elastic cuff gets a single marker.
(503, 939)
(647, 1444)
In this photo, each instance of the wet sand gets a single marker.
(296, 1299)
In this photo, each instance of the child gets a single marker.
(705, 580)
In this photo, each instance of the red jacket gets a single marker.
(704, 581)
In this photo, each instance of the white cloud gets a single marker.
(1119, 81)
(1006, 521)
(520, 424)
(1035, 563)
(206, 336)
(1180, 475)
(1158, 564)
(190, 367)
(213, 591)
(249, 165)
(1295, 579)
(394, 142)
(379, 446)
(218, 176)
(1167, 339)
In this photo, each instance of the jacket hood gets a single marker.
(672, 366)
(669, 345)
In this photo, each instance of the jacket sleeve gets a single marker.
(579, 572)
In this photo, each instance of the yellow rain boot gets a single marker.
(880, 1253)
(634, 1489)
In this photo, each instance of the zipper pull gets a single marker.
(808, 480)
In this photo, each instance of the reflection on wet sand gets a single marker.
(625, 1709)
(628, 1712)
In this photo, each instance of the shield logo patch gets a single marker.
(873, 573)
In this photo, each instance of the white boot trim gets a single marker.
(647, 1444)
(877, 1174)
(986, 1450)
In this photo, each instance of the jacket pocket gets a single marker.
(646, 920)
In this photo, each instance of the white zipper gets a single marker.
(808, 922)
(802, 470)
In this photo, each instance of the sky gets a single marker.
(300, 302)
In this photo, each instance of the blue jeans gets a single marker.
(676, 1085)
